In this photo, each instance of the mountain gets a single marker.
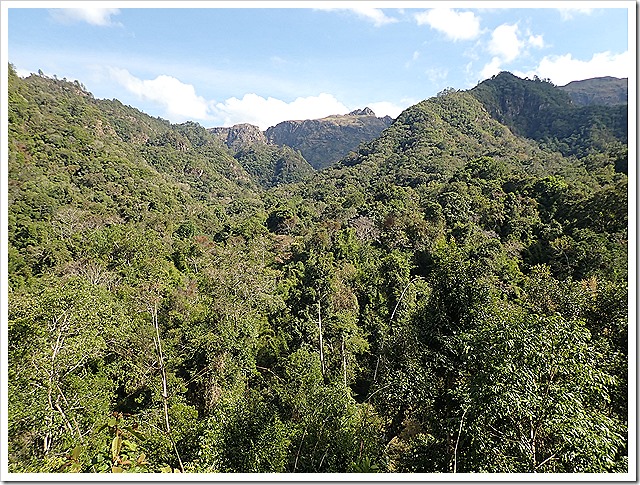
(434, 138)
(605, 91)
(521, 104)
(268, 164)
(324, 141)
(538, 110)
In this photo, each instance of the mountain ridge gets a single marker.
(324, 141)
(321, 141)
(541, 111)
(605, 90)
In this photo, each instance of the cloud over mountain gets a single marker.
(266, 112)
(179, 99)
(181, 103)
(507, 44)
(565, 68)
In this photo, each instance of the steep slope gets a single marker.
(521, 104)
(606, 91)
(80, 164)
(268, 164)
(434, 138)
(541, 111)
(324, 141)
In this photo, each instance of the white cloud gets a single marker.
(564, 69)
(568, 13)
(505, 42)
(92, 16)
(178, 99)
(506, 45)
(492, 68)
(375, 15)
(181, 103)
(385, 108)
(455, 25)
(536, 41)
(268, 112)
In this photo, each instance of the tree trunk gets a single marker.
(320, 329)
(165, 395)
(344, 362)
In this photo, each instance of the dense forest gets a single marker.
(449, 297)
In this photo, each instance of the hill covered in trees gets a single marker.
(449, 297)
(554, 117)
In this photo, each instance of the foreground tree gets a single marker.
(534, 397)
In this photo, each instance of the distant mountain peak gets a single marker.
(362, 112)
(603, 91)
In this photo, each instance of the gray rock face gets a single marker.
(363, 112)
(237, 135)
(327, 140)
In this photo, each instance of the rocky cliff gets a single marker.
(326, 140)
(239, 135)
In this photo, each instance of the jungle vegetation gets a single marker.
(450, 297)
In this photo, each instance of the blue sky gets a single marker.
(218, 64)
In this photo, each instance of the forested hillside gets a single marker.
(450, 297)
(539, 110)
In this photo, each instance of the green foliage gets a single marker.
(538, 110)
(451, 297)
(122, 454)
(271, 165)
(535, 397)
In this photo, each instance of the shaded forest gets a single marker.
(450, 297)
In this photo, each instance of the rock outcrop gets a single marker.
(239, 135)
(325, 141)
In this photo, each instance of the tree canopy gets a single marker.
(450, 297)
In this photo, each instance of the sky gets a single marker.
(223, 63)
